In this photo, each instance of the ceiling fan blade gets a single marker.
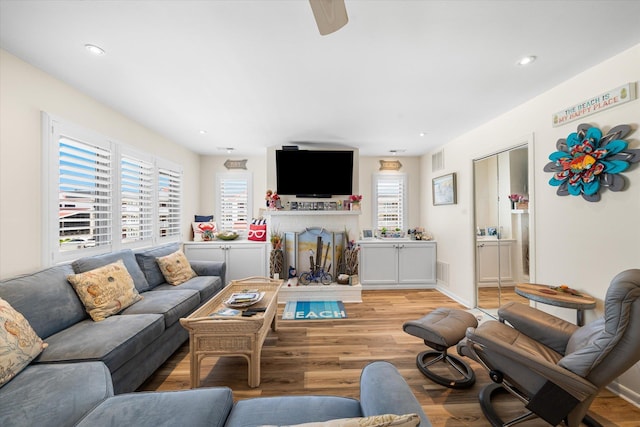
(330, 15)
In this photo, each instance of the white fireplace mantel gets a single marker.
(298, 220)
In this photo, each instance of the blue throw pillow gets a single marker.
(204, 218)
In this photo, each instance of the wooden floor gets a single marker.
(326, 357)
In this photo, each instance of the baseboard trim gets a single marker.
(625, 393)
(455, 297)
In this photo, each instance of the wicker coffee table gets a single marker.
(211, 334)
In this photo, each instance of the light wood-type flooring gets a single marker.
(326, 357)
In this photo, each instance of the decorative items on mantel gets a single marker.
(354, 202)
(273, 200)
(587, 161)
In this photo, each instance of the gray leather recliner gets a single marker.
(555, 367)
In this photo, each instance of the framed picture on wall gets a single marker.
(444, 190)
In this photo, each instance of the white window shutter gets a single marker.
(233, 201)
(136, 199)
(390, 201)
(169, 204)
(84, 195)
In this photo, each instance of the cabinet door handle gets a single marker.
(481, 245)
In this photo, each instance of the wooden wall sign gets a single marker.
(390, 165)
(604, 101)
(235, 164)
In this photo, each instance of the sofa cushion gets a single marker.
(19, 344)
(85, 264)
(54, 394)
(292, 410)
(175, 268)
(208, 286)
(48, 288)
(146, 259)
(194, 408)
(113, 341)
(105, 291)
(172, 305)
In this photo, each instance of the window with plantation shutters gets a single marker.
(102, 196)
(169, 202)
(233, 201)
(136, 199)
(390, 201)
(84, 194)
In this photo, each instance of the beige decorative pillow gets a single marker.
(19, 343)
(386, 420)
(175, 268)
(105, 291)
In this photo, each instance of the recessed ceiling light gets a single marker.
(203, 132)
(96, 50)
(526, 60)
(422, 133)
(229, 150)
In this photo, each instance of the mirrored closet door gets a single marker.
(501, 193)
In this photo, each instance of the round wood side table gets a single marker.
(546, 295)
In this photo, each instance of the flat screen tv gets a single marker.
(314, 173)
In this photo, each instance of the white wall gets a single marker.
(25, 91)
(578, 243)
(211, 165)
(263, 170)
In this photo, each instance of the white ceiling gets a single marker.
(257, 73)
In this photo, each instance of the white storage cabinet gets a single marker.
(244, 258)
(389, 264)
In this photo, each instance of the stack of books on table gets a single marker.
(244, 299)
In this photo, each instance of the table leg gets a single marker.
(194, 372)
(254, 370)
(580, 317)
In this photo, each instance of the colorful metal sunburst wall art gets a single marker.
(587, 162)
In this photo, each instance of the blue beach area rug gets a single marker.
(314, 310)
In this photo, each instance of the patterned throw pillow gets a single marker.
(203, 231)
(175, 268)
(19, 344)
(105, 291)
(386, 420)
(258, 230)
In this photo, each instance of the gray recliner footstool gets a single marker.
(440, 329)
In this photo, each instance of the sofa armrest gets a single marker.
(543, 327)
(384, 391)
(210, 268)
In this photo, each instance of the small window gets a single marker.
(136, 199)
(169, 203)
(84, 194)
(390, 201)
(233, 206)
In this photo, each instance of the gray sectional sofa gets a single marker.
(131, 344)
(88, 372)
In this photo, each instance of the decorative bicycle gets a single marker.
(317, 273)
(316, 276)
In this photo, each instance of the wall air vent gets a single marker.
(437, 161)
